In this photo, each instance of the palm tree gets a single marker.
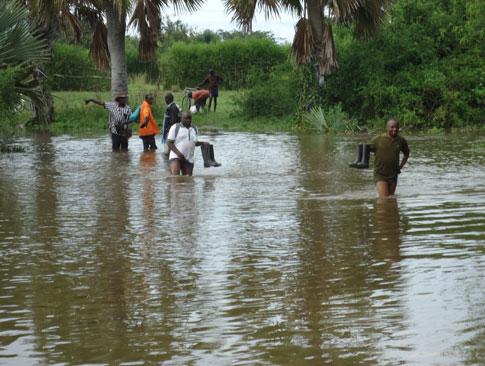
(21, 50)
(108, 21)
(313, 43)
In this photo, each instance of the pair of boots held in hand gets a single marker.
(363, 154)
(208, 156)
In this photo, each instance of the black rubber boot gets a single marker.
(355, 164)
(364, 163)
(206, 156)
(213, 160)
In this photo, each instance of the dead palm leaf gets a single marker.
(99, 46)
(303, 42)
(328, 59)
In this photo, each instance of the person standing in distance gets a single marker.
(118, 120)
(148, 127)
(182, 140)
(387, 148)
(172, 116)
(213, 80)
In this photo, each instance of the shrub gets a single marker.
(274, 97)
(425, 66)
(72, 69)
(235, 60)
(9, 97)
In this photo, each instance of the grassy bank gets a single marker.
(73, 117)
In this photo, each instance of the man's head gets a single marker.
(211, 72)
(186, 119)
(392, 127)
(121, 99)
(168, 98)
(149, 98)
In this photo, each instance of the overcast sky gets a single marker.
(212, 16)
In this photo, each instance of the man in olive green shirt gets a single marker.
(387, 148)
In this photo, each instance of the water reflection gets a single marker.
(387, 229)
(107, 259)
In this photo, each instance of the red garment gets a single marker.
(200, 95)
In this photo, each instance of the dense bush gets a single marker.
(9, 97)
(425, 67)
(272, 96)
(150, 69)
(187, 64)
(72, 69)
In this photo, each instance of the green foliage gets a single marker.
(9, 97)
(425, 67)
(150, 69)
(273, 96)
(334, 119)
(72, 69)
(18, 44)
(187, 64)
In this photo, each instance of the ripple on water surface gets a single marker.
(280, 256)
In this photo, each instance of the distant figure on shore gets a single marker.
(387, 148)
(182, 140)
(172, 116)
(213, 80)
(199, 97)
(148, 127)
(118, 120)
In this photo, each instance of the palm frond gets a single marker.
(72, 24)
(292, 6)
(18, 44)
(242, 12)
(99, 46)
(147, 18)
(369, 16)
(189, 5)
(316, 119)
(303, 42)
(328, 60)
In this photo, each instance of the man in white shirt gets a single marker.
(182, 140)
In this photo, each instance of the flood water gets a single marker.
(281, 256)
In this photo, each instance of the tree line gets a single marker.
(425, 64)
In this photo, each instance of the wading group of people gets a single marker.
(180, 137)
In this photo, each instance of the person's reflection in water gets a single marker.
(387, 230)
(148, 161)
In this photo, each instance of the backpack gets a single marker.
(135, 116)
(177, 128)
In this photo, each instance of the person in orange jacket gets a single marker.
(148, 128)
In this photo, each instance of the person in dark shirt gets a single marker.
(387, 148)
(213, 80)
(171, 117)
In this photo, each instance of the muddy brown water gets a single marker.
(281, 256)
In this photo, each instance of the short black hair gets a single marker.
(149, 96)
(169, 97)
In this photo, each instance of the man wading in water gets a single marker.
(387, 167)
(387, 148)
(182, 140)
(118, 123)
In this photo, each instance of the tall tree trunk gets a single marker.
(116, 26)
(317, 20)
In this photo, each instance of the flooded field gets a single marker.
(281, 256)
